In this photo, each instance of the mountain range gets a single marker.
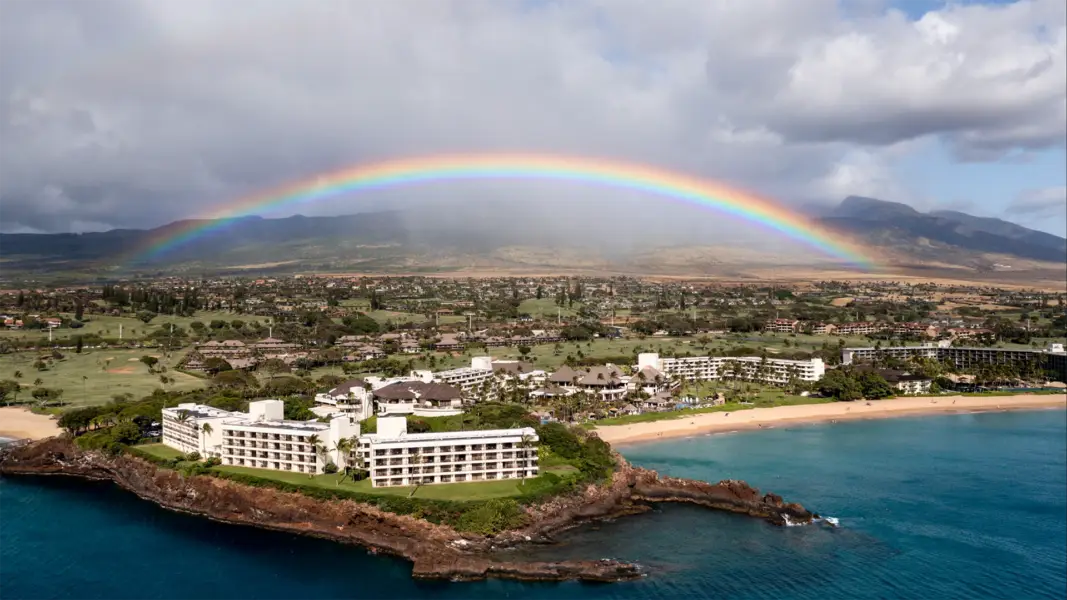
(420, 238)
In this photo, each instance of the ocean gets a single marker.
(962, 506)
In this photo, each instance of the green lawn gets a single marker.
(546, 307)
(480, 490)
(108, 326)
(94, 376)
(160, 450)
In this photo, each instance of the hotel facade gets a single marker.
(260, 438)
(395, 457)
(263, 439)
(752, 368)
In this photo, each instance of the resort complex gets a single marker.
(263, 439)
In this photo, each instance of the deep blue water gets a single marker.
(963, 506)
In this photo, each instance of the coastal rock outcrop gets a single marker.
(436, 551)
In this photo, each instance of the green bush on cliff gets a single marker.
(493, 516)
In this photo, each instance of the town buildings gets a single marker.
(395, 457)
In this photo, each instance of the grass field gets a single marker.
(108, 326)
(94, 376)
(160, 450)
(478, 490)
(546, 307)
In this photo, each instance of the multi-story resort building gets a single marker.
(353, 398)
(263, 439)
(861, 328)
(753, 368)
(1052, 358)
(184, 426)
(395, 457)
(260, 438)
(850, 355)
(782, 325)
(467, 379)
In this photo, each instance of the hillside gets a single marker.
(946, 236)
(450, 239)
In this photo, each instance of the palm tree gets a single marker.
(207, 429)
(416, 460)
(37, 382)
(313, 441)
(18, 374)
(342, 447)
(525, 444)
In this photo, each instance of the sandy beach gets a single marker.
(813, 413)
(20, 423)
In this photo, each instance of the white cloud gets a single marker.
(141, 112)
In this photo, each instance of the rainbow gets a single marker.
(365, 177)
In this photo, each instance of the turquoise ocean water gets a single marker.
(963, 506)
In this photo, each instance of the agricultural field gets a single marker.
(94, 376)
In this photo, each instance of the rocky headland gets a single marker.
(436, 551)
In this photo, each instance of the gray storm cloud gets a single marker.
(132, 114)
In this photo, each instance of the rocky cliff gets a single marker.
(436, 551)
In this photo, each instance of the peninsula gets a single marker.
(437, 550)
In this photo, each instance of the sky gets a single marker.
(131, 114)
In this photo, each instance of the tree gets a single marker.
(215, 365)
(146, 316)
(525, 445)
(416, 461)
(874, 386)
(79, 311)
(45, 395)
(524, 351)
(839, 385)
(342, 447)
(150, 362)
(273, 366)
(9, 389)
(78, 345)
(208, 430)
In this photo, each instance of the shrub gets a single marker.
(493, 516)
(330, 468)
(214, 461)
(193, 456)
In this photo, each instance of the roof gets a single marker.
(343, 389)
(605, 375)
(565, 375)
(412, 390)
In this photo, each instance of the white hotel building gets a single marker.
(698, 368)
(263, 439)
(467, 379)
(397, 458)
(260, 438)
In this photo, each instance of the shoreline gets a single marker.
(806, 414)
(18, 423)
(436, 551)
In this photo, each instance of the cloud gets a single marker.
(1048, 202)
(130, 114)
